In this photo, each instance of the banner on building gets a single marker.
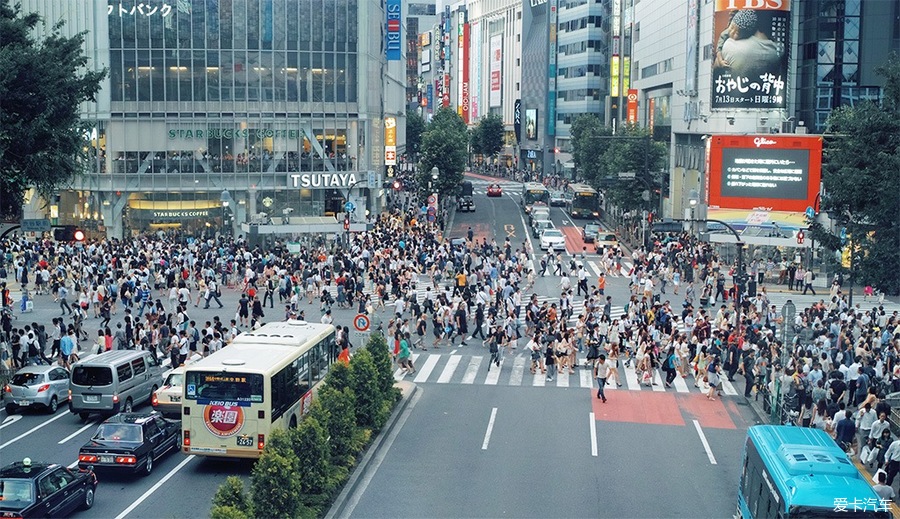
(446, 91)
(692, 46)
(465, 73)
(517, 119)
(496, 64)
(393, 37)
(390, 141)
(751, 40)
(632, 106)
(475, 70)
(531, 124)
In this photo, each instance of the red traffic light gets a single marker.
(649, 217)
(79, 235)
(800, 237)
(397, 185)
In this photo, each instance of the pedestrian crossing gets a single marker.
(515, 370)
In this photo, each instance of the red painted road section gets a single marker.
(486, 177)
(637, 407)
(480, 231)
(574, 242)
(710, 413)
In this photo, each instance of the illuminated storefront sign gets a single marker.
(322, 180)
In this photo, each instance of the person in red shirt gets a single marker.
(344, 356)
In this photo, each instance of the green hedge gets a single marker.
(302, 469)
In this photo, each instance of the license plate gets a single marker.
(106, 459)
(245, 441)
(174, 399)
(23, 403)
(92, 398)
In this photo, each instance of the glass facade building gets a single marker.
(219, 110)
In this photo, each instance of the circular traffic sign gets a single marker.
(432, 199)
(361, 322)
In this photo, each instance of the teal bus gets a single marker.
(797, 472)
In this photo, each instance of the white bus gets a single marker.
(263, 380)
(534, 193)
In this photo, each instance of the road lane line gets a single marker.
(525, 228)
(76, 433)
(449, 369)
(709, 454)
(35, 428)
(155, 487)
(11, 419)
(427, 368)
(518, 371)
(490, 427)
(73, 464)
(593, 434)
(471, 371)
(378, 457)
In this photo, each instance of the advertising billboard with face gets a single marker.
(768, 172)
(751, 40)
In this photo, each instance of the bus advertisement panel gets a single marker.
(264, 380)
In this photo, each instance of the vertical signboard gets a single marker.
(692, 46)
(517, 119)
(531, 124)
(465, 73)
(495, 97)
(393, 37)
(390, 141)
(429, 95)
(751, 40)
(474, 70)
(632, 106)
(445, 102)
(551, 72)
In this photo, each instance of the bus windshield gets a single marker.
(537, 195)
(585, 201)
(230, 387)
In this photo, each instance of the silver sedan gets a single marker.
(37, 386)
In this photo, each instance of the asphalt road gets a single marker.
(538, 461)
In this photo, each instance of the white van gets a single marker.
(113, 381)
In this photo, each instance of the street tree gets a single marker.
(445, 146)
(363, 381)
(487, 136)
(230, 500)
(415, 127)
(381, 357)
(43, 140)
(336, 411)
(275, 486)
(861, 160)
(587, 149)
(312, 450)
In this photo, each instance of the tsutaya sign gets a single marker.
(321, 180)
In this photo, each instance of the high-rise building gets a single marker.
(219, 113)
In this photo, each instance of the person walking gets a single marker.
(808, 278)
(601, 373)
(550, 361)
(61, 294)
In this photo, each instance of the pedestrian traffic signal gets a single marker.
(800, 237)
(396, 185)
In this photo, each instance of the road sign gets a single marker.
(432, 199)
(430, 218)
(360, 338)
(36, 225)
(361, 322)
(371, 180)
(810, 213)
(627, 174)
(431, 211)
(843, 235)
(349, 207)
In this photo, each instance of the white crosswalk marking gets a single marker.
(471, 371)
(400, 374)
(449, 369)
(631, 379)
(563, 379)
(727, 388)
(657, 381)
(585, 376)
(426, 369)
(518, 371)
(493, 374)
(680, 384)
(540, 379)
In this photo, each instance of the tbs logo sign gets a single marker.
(393, 43)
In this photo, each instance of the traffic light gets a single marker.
(800, 237)
(78, 235)
(396, 185)
(650, 218)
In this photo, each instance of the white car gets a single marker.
(553, 239)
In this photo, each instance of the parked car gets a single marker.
(538, 212)
(30, 489)
(589, 232)
(606, 240)
(37, 386)
(553, 239)
(539, 226)
(494, 190)
(131, 442)
(557, 198)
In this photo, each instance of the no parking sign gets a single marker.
(361, 322)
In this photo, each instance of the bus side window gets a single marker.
(303, 382)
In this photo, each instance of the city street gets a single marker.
(477, 443)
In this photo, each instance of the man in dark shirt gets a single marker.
(845, 431)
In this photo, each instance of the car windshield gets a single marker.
(592, 228)
(542, 223)
(175, 379)
(552, 233)
(26, 379)
(92, 376)
(16, 494)
(120, 432)
(609, 237)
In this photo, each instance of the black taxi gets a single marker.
(44, 490)
(131, 442)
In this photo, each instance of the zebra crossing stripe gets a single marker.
(471, 371)
(426, 369)
(657, 381)
(539, 379)
(680, 384)
(563, 380)
(493, 374)
(585, 376)
(727, 388)
(449, 369)
(518, 371)
(631, 379)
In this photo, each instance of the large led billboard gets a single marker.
(768, 172)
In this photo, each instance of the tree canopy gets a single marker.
(43, 140)
(860, 164)
(445, 146)
(415, 127)
(600, 156)
(487, 136)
